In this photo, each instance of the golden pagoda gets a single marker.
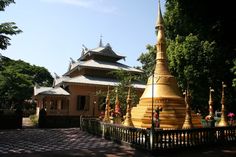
(128, 120)
(223, 118)
(188, 117)
(162, 92)
(107, 109)
(117, 119)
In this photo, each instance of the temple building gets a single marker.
(162, 93)
(75, 93)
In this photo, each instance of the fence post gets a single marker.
(80, 121)
(151, 138)
(103, 130)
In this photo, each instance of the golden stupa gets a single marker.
(162, 92)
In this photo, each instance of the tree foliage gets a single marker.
(8, 28)
(17, 79)
(192, 62)
(147, 60)
(234, 71)
(4, 3)
(215, 24)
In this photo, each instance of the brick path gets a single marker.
(56, 142)
(74, 143)
(27, 123)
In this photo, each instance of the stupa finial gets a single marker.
(160, 21)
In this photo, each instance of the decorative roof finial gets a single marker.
(100, 42)
(72, 60)
(82, 52)
(56, 76)
(85, 48)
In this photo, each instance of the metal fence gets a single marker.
(160, 140)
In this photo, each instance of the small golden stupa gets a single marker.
(128, 120)
(107, 109)
(223, 119)
(117, 113)
(162, 91)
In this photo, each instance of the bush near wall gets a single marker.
(10, 120)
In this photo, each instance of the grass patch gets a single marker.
(34, 119)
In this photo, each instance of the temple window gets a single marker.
(65, 104)
(53, 104)
(83, 102)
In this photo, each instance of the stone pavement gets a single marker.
(27, 123)
(59, 142)
(73, 142)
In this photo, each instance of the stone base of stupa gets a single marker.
(172, 115)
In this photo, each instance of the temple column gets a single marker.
(39, 105)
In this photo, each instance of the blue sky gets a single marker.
(54, 30)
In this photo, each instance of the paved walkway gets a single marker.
(74, 143)
(27, 123)
(60, 143)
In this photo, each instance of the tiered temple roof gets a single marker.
(92, 68)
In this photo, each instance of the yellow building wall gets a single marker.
(89, 90)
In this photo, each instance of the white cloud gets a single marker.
(96, 5)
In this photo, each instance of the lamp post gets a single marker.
(152, 127)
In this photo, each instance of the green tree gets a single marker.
(8, 28)
(234, 71)
(147, 60)
(215, 24)
(17, 79)
(192, 61)
(212, 25)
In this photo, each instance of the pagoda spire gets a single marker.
(161, 58)
(160, 21)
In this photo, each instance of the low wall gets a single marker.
(10, 122)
